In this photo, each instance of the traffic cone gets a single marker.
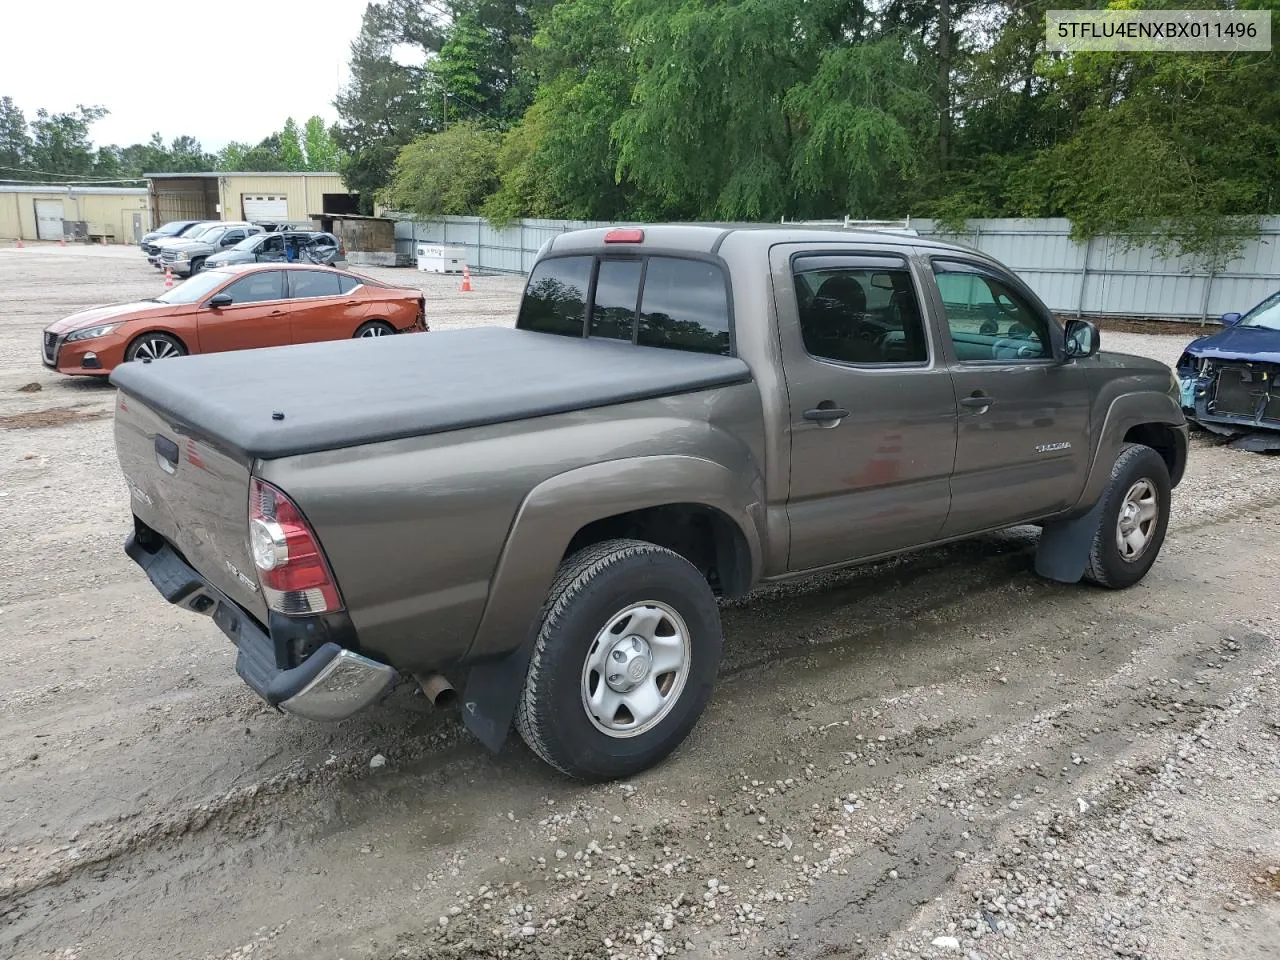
(466, 278)
(62, 240)
(19, 243)
(168, 278)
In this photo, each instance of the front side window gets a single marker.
(859, 310)
(555, 300)
(257, 287)
(987, 318)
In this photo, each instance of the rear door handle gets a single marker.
(276, 313)
(977, 400)
(826, 414)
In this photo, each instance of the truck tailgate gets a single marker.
(191, 493)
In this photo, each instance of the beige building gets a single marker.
(246, 196)
(49, 211)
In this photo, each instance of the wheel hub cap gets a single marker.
(1136, 523)
(628, 663)
(636, 669)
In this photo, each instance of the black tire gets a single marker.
(155, 346)
(591, 589)
(374, 328)
(196, 266)
(1108, 566)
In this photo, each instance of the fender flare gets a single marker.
(1063, 551)
(553, 512)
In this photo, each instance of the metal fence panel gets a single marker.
(1100, 277)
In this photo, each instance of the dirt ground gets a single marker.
(935, 756)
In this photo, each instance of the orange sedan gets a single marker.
(232, 308)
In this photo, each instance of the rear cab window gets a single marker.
(680, 303)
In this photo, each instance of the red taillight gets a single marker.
(295, 577)
(624, 236)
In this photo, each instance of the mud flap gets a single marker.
(492, 691)
(1064, 547)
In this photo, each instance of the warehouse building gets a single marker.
(52, 211)
(289, 195)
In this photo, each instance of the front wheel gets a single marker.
(196, 266)
(1135, 515)
(624, 662)
(374, 328)
(155, 346)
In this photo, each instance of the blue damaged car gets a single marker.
(1229, 379)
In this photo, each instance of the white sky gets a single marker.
(171, 65)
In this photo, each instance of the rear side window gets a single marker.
(684, 306)
(314, 283)
(555, 301)
(347, 284)
(859, 309)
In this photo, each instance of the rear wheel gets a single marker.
(155, 346)
(1135, 514)
(375, 328)
(624, 663)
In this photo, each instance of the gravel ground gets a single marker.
(934, 756)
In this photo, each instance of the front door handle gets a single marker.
(977, 400)
(826, 414)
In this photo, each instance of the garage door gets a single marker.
(49, 219)
(265, 206)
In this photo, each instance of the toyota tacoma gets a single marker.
(545, 516)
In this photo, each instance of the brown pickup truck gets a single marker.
(546, 515)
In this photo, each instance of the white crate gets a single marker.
(438, 259)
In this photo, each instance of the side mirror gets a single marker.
(1230, 319)
(1082, 339)
(220, 301)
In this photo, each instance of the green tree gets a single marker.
(60, 145)
(386, 104)
(15, 142)
(322, 150)
(446, 173)
(561, 160)
(292, 156)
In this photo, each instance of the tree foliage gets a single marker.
(450, 172)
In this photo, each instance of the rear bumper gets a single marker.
(331, 683)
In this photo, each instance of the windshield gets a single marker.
(248, 243)
(206, 231)
(1266, 314)
(197, 288)
(212, 236)
(172, 229)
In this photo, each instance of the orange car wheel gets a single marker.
(155, 346)
(375, 328)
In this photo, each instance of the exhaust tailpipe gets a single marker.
(438, 690)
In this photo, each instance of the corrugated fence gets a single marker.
(1098, 278)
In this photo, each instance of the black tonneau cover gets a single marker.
(344, 393)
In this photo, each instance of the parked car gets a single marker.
(174, 228)
(232, 308)
(211, 229)
(289, 246)
(681, 412)
(1229, 378)
(187, 256)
